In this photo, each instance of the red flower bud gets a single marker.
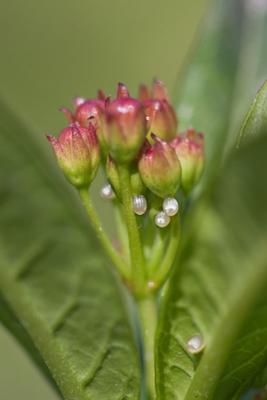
(189, 148)
(160, 168)
(77, 152)
(101, 95)
(159, 91)
(122, 91)
(144, 93)
(88, 110)
(124, 128)
(90, 113)
(160, 115)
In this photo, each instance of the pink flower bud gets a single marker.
(122, 91)
(88, 110)
(124, 128)
(159, 91)
(77, 152)
(160, 115)
(189, 148)
(90, 113)
(101, 95)
(144, 93)
(160, 168)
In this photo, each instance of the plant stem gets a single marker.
(121, 230)
(157, 252)
(167, 262)
(136, 250)
(103, 238)
(147, 309)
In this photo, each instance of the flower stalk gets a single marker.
(101, 235)
(136, 251)
(147, 310)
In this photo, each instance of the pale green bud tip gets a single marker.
(77, 152)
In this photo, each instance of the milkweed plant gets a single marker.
(172, 304)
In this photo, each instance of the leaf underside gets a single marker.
(55, 280)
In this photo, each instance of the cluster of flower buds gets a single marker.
(139, 133)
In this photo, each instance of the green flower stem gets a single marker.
(147, 309)
(157, 252)
(136, 250)
(171, 252)
(103, 238)
(121, 230)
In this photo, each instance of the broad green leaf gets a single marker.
(219, 289)
(256, 120)
(55, 280)
(10, 321)
(222, 272)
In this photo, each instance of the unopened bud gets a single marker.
(160, 115)
(160, 168)
(189, 148)
(122, 91)
(124, 128)
(77, 152)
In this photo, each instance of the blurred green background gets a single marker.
(54, 50)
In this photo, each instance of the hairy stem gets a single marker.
(136, 250)
(103, 238)
(147, 309)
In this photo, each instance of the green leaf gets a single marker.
(206, 92)
(219, 289)
(207, 284)
(227, 68)
(54, 278)
(255, 123)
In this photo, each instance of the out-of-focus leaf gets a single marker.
(219, 291)
(221, 270)
(255, 123)
(206, 92)
(228, 67)
(55, 280)
(10, 321)
(252, 69)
